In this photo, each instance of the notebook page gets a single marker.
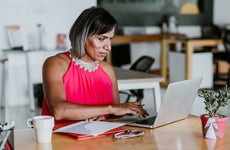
(93, 128)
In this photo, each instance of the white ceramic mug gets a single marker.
(43, 126)
(44, 146)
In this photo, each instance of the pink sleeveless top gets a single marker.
(83, 87)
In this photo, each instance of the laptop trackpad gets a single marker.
(146, 121)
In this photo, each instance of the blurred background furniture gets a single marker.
(147, 38)
(3, 84)
(222, 79)
(34, 63)
(24, 70)
(210, 31)
(117, 59)
(132, 80)
(200, 54)
(189, 49)
(16, 78)
(3, 105)
(201, 66)
(142, 64)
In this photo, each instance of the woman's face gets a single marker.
(98, 46)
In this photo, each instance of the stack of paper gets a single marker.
(92, 128)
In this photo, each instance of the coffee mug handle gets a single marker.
(30, 123)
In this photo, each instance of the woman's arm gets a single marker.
(53, 70)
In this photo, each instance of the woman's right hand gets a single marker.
(134, 108)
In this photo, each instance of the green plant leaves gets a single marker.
(213, 100)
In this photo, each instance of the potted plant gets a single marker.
(214, 123)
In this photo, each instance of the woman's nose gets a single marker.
(108, 45)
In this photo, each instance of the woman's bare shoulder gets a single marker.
(108, 68)
(57, 59)
(56, 62)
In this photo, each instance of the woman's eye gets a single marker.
(101, 39)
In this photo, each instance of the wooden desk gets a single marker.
(190, 45)
(127, 39)
(184, 135)
(128, 79)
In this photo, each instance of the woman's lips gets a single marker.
(103, 54)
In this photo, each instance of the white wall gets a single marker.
(56, 16)
(221, 12)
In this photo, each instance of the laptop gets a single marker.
(176, 105)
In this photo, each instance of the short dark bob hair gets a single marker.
(94, 20)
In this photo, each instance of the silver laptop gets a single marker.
(176, 105)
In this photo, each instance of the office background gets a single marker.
(56, 16)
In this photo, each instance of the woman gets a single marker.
(78, 84)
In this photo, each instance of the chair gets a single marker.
(210, 31)
(223, 56)
(142, 64)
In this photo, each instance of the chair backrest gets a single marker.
(226, 41)
(211, 32)
(143, 64)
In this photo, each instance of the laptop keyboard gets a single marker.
(147, 121)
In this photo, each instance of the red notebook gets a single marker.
(86, 136)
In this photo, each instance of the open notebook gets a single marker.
(88, 129)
